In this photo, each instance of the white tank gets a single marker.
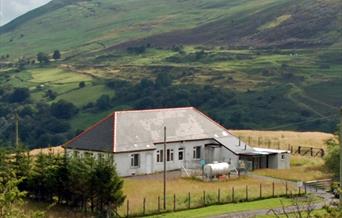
(216, 169)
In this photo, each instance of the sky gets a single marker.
(10, 9)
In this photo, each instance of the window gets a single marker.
(75, 153)
(100, 156)
(283, 156)
(197, 152)
(135, 160)
(88, 154)
(160, 156)
(180, 153)
(169, 155)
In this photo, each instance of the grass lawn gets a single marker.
(302, 169)
(150, 187)
(229, 208)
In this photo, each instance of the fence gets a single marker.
(153, 206)
(308, 151)
(277, 144)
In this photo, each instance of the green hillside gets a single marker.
(249, 64)
(77, 26)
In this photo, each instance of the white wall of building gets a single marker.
(279, 161)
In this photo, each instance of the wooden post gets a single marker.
(273, 189)
(299, 148)
(174, 202)
(311, 151)
(158, 204)
(286, 188)
(218, 196)
(260, 190)
(189, 203)
(246, 192)
(144, 206)
(233, 194)
(304, 188)
(204, 198)
(127, 212)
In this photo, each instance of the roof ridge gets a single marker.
(155, 109)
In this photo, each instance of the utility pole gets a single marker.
(164, 205)
(340, 194)
(16, 130)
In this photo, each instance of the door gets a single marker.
(149, 163)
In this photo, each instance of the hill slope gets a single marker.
(76, 26)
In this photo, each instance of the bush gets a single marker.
(19, 95)
(82, 84)
(43, 58)
(103, 102)
(63, 109)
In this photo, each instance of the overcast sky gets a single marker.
(10, 9)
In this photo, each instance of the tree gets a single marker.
(163, 80)
(56, 55)
(63, 109)
(103, 102)
(19, 95)
(82, 84)
(107, 187)
(43, 58)
(332, 159)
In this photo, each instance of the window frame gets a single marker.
(160, 156)
(181, 151)
(196, 152)
(135, 160)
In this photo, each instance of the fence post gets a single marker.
(174, 202)
(299, 148)
(273, 189)
(246, 192)
(260, 190)
(286, 188)
(218, 196)
(233, 194)
(158, 204)
(304, 188)
(144, 206)
(189, 203)
(127, 212)
(311, 151)
(204, 198)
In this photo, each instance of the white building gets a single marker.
(135, 140)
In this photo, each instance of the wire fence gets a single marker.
(178, 202)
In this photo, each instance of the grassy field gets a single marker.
(302, 169)
(150, 187)
(284, 138)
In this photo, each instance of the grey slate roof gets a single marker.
(142, 129)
